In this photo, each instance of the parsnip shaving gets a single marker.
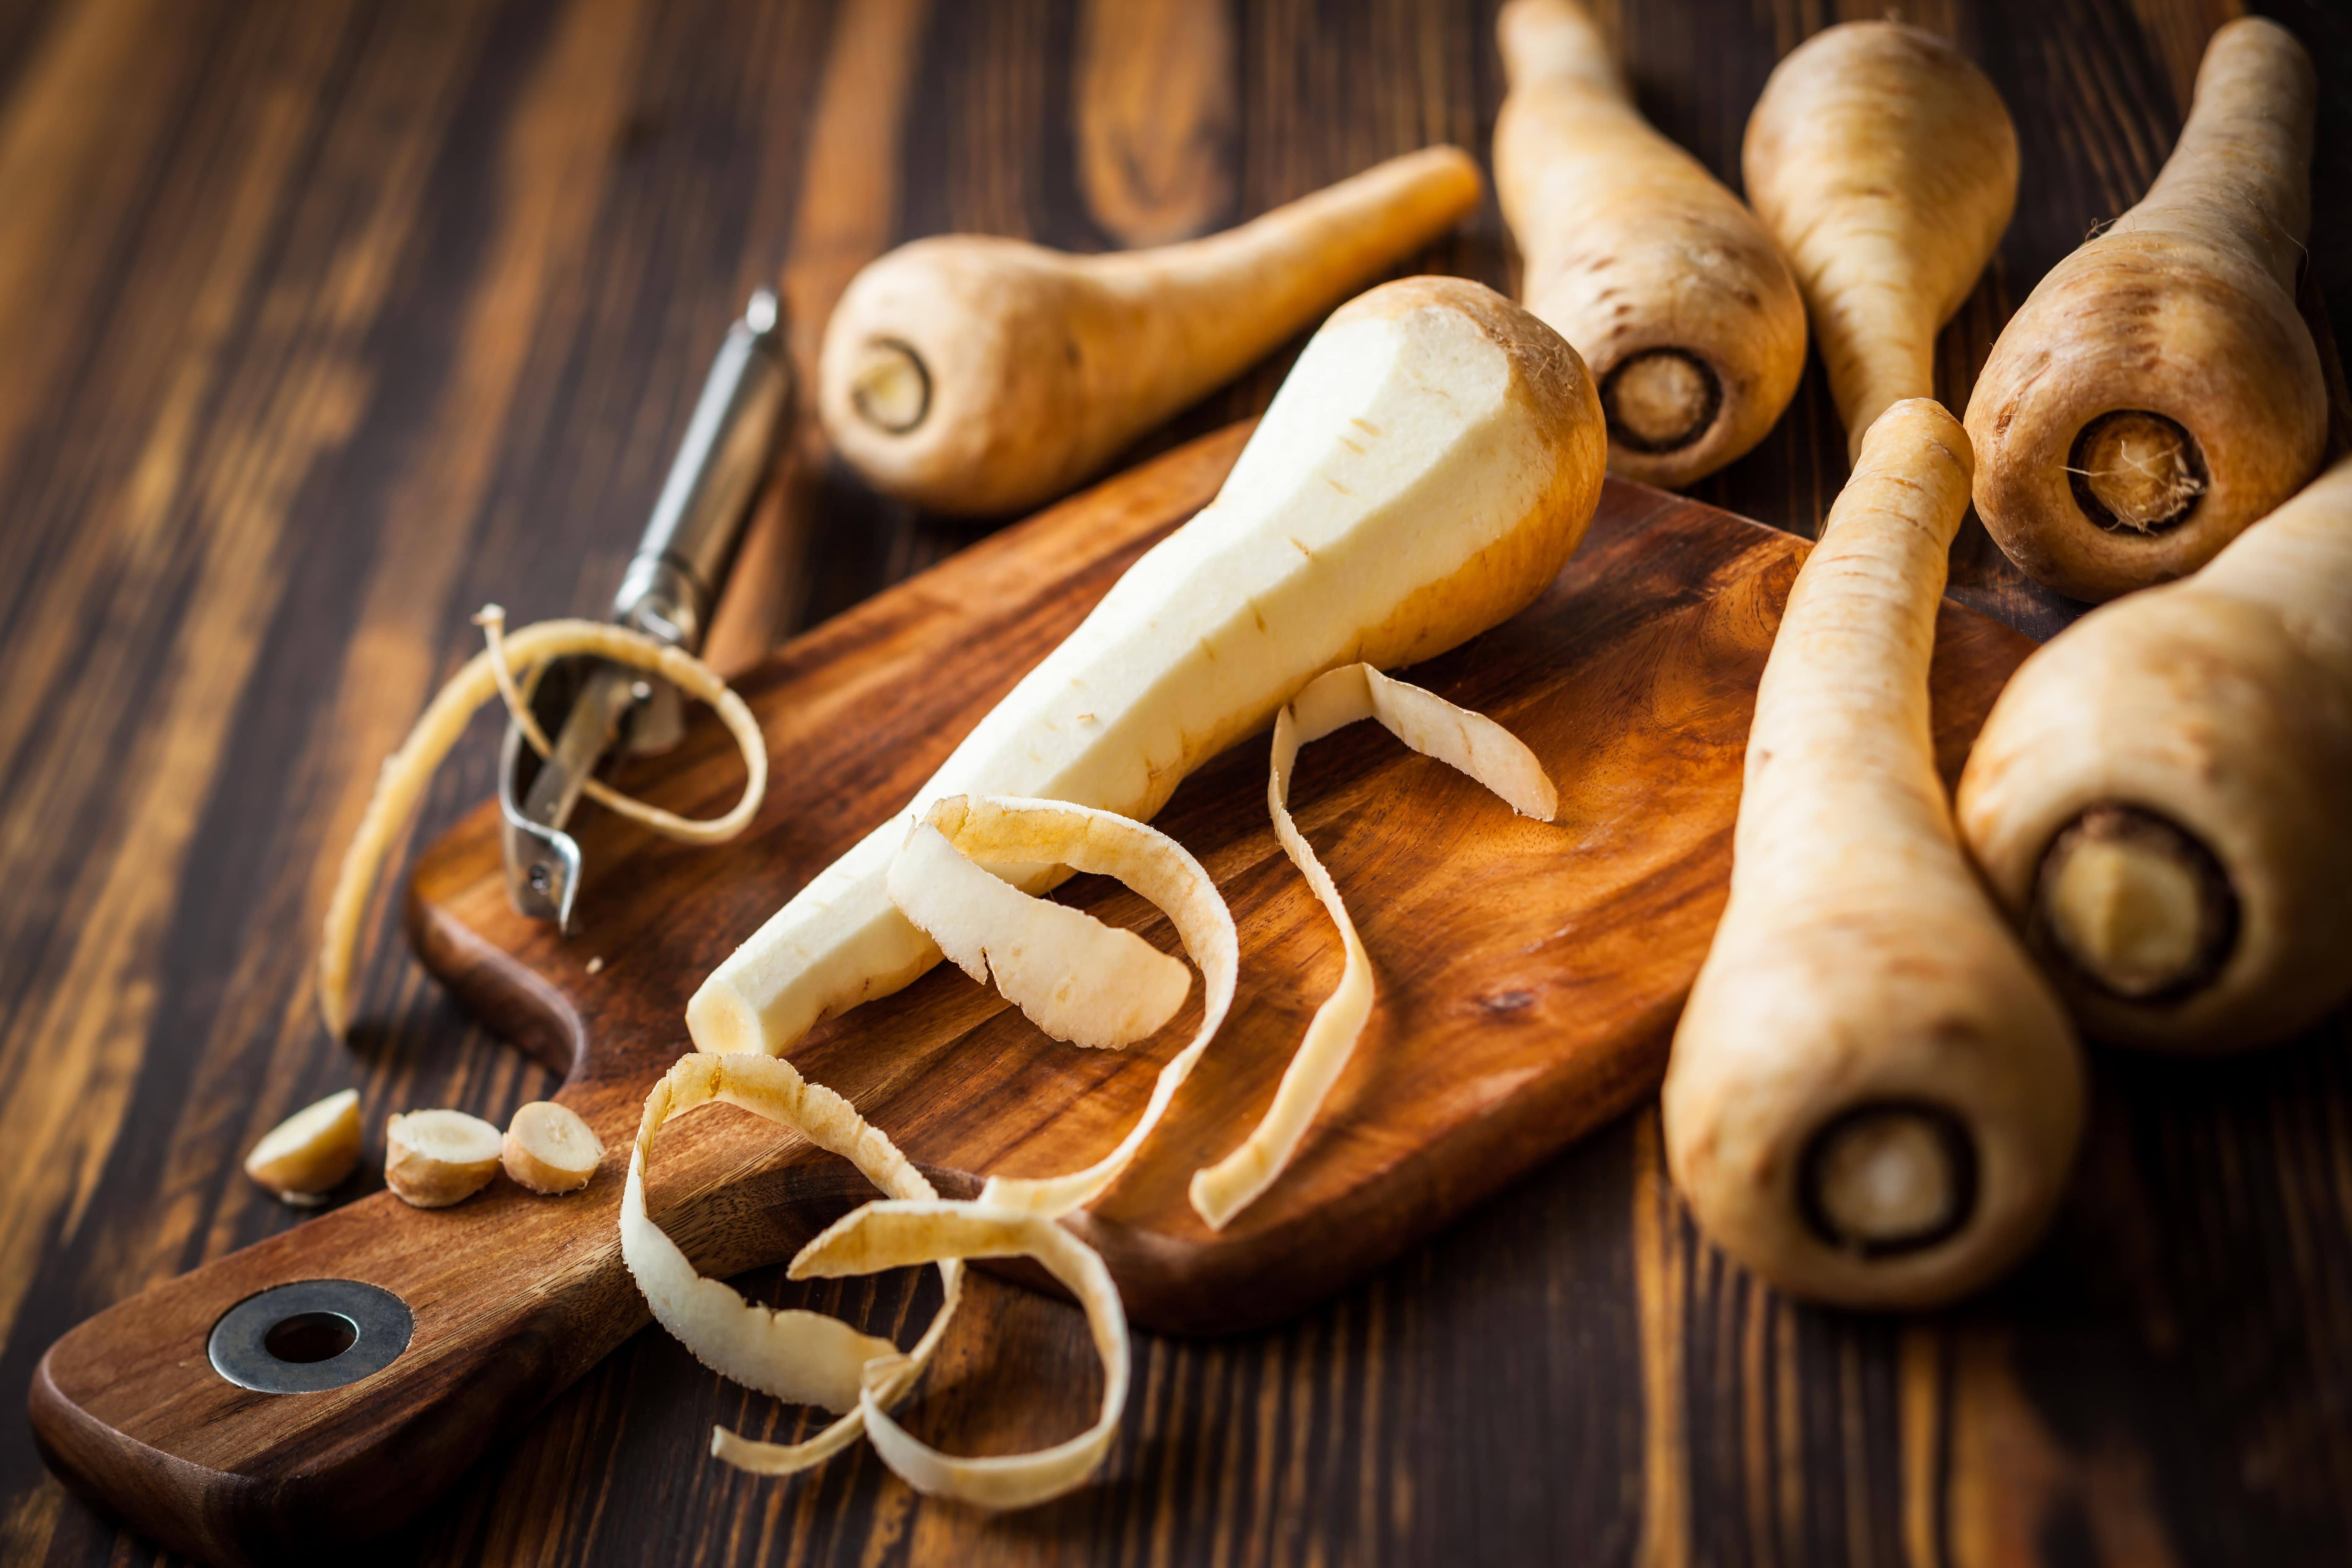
(1002, 831)
(803, 1358)
(807, 1358)
(896, 1235)
(488, 674)
(1468, 741)
(1077, 979)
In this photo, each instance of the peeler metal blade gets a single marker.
(670, 590)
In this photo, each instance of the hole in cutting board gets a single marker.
(309, 1337)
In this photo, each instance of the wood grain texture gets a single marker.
(309, 349)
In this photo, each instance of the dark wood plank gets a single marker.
(324, 323)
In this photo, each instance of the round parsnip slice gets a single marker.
(1012, 832)
(549, 1149)
(1422, 474)
(436, 1158)
(1468, 741)
(490, 674)
(800, 1357)
(310, 1152)
(899, 1235)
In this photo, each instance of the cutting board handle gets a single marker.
(478, 1316)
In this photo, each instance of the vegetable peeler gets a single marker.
(670, 590)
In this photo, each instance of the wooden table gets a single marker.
(320, 323)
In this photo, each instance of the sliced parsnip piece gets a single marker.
(1468, 741)
(489, 674)
(1075, 978)
(549, 1149)
(899, 1235)
(310, 1152)
(1052, 832)
(1422, 475)
(436, 1158)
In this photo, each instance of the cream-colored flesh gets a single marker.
(1422, 474)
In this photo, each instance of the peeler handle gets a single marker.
(673, 582)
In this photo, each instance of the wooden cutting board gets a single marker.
(1529, 976)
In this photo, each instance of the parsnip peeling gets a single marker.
(1470, 742)
(1074, 977)
(897, 1235)
(1050, 832)
(489, 674)
(807, 1358)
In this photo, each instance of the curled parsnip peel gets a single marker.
(1012, 832)
(490, 674)
(1075, 978)
(899, 1235)
(803, 1358)
(1468, 741)
(1422, 474)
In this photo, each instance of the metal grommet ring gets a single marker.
(311, 1336)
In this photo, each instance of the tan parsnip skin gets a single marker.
(1666, 284)
(1885, 165)
(2158, 390)
(978, 377)
(1874, 1097)
(2160, 795)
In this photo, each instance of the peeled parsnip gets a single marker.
(1873, 1098)
(1664, 280)
(1422, 474)
(2158, 390)
(1886, 167)
(978, 375)
(2160, 795)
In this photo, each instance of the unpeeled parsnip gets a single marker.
(1422, 474)
(1885, 165)
(2160, 794)
(1873, 1098)
(2158, 390)
(1665, 283)
(978, 375)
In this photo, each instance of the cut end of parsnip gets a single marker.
(2136, 471)
(1889, 1179)
(1660, 400)
(889, 387)
(549, 1149)
(310, 1152)
(436, 1158)
(2135, 905)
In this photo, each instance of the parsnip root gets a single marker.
(2158, 390)
(1886, 167)
(1673, 292)
(1873, 1098)
(978, 377)
(436, 1158)
(1422, 474)
(2158, 796)
(309, 1152)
